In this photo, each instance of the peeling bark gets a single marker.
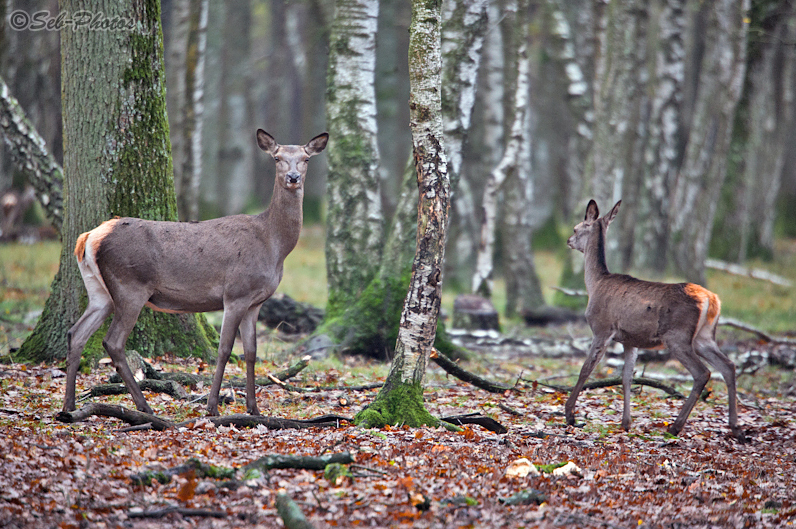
(400, 399)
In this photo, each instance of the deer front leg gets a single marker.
(596, 352)
(248, 335)
(229, 327)
(631, 353)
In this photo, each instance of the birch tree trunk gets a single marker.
(355, 224)
(190, 33)
(721, 69)
(236, 156)
(400, 400)
(518, 139)
(118, 163)
(662, 152)
(464, 26)
(370, 322)
(771, 86)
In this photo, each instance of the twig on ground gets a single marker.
(509, 409)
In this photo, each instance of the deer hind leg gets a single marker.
(100, 306)
(631, 353)
(596, 352)
(708, 349)
(701, 374)
(124, 319)
(248, 336)
(229, 328)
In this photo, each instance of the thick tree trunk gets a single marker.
(118, 163)
(401, 398)
(355, 224)
(720, 72)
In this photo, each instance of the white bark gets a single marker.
(421, 309)
(355, 230)
(483, 280)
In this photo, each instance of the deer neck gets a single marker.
(284, 218)
(595, 265)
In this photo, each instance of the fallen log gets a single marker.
(476, 418)
(129, 416)
(776, 340)
(182, 511)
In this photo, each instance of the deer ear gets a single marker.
(612, 214)
(592, 211)
(266, 142)
(317, 144)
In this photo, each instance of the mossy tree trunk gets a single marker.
(354, 222)
(400, 400)
(117, 161)
(366, 320)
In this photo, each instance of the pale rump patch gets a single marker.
(100, 232)
(86, 252)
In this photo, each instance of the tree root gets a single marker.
(617, 381)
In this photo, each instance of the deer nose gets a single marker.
(293, 177)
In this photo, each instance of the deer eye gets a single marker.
(277, 159)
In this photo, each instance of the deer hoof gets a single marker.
(739, 435)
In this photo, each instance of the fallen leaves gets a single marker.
(79, 474)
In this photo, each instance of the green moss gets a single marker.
(400, 405)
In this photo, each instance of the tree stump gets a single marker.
(474, 312)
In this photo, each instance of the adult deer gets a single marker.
(232, 263)
(681, 317)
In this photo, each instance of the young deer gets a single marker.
(232, 263)
(681, 317)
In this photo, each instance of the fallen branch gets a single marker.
(730, 322)
(262, 465)
(140, 419)
(290, 513)
(617, 381)
(476, 418)
(452, 368)
(755, 273)
(129, 416)
(571, 292)
(169, 387)
(183, 511)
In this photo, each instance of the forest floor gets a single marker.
(79, 475)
